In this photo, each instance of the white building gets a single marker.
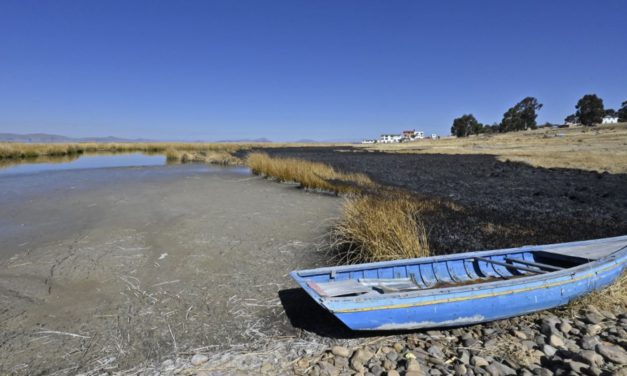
(390, 138)
(369, 141)
(607, 119)
(434, 136)
(413, 135)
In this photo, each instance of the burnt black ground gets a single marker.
(504, 204)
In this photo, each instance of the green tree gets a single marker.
(572, 118)
(610, 112)
(590, 110)
(622, 112)
(522, 116)
(465, 125)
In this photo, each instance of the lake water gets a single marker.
(89, 161)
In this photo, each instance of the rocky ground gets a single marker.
(591, 343)
(587, 342)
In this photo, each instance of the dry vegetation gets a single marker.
(310, 175)
(612, 298)
(602, 148)
(377, 224)
(219, 157)
(10, 150)
(376, 228)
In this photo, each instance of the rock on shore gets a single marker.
(592, 342)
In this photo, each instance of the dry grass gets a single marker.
(10, 150)
(224, 158)
(612, 298)
(378, 228)
(373, 227)
(310, 175)
(602, 148)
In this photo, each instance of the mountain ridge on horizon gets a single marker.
(33, 138)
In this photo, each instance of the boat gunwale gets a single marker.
(615, 258)
(453, 256)
(417, 298)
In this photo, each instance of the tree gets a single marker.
(522, 116)
(610, 112)
(622, 112)
(465, 125)
(590, 110)
(571, 119)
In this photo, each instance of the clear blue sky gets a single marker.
(288, 70)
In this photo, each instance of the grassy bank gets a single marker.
(310, 175)
(16, 151)
(600, 148)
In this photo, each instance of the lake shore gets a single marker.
(112, 268)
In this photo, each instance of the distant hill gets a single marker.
(256, 140)
(55, 138)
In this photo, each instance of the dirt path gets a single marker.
(113, 267)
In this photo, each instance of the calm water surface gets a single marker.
(82, 162)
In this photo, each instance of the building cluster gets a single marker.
(406, 136)
(607, 119)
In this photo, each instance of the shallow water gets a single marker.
(147, 262)
(88, 161)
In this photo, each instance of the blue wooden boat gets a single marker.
(466, 288)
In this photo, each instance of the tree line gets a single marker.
(589, 111)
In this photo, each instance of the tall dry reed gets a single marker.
(378, 228)
(310, 175)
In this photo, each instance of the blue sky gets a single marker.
(288, 70)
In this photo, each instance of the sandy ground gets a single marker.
(114, 267)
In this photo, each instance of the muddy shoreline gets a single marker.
(109, 269)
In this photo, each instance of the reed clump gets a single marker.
(380, 228)
(310, 175)
(12, 150)
(218, 157)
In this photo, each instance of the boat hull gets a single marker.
(475, 306)
(474, 303)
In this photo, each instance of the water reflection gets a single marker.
(70, 162)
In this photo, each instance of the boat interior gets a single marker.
(432, 274)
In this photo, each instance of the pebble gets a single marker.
(612, 353)
(398, 346)
(393, 373)
(499, 369)
(340, 351)
(436, 352)
(199, 359)
(591, 357)
(392, 355)
(413, 365)
(593, 317)
(519, 334)
(594, 329)
(460, 370)
(589, 343)
(565, 327)
(478, 361)
(556, 341)
(549, 350)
